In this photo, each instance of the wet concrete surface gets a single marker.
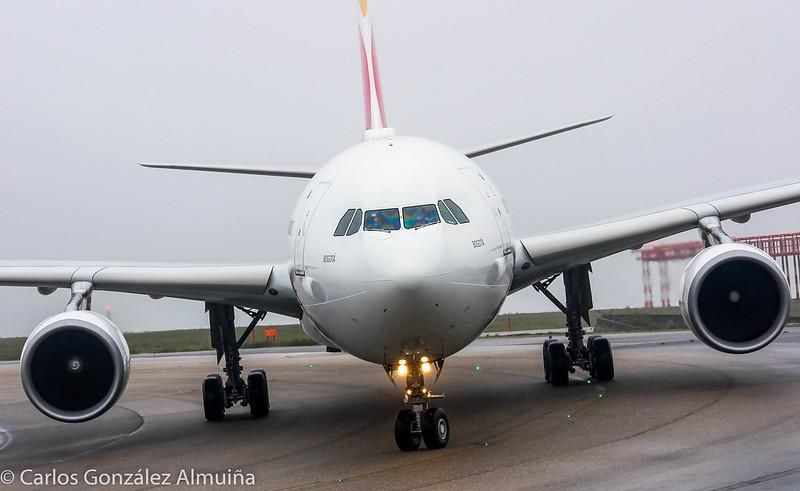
(678, 416)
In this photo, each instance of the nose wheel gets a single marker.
(420, 421)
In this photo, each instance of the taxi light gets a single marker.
(402, 370)
(424, 390)
(424, 359)
(408, 391)
(402, 362)
(426, 367)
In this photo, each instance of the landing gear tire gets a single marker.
(404, 435)
(435, 428)
(258, 393)
(559, 363)
(601, 359)
(546, 358)
(213, 397)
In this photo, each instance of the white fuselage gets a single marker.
(382, 295)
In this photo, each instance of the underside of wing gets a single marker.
(543, 255)
(265, 287)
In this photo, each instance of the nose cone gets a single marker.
(411, 260)
(410, 274)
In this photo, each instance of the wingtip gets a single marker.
(363, 5)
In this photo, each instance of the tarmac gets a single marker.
(678, 415)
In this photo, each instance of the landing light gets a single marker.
(402, 370)
(426, 367)
(424, 359)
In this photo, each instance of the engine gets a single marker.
(734, 297)
(74, 366)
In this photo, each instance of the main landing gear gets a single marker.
(594, 355)
(219, 396)
(419, 421)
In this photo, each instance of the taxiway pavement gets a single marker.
(678, 415)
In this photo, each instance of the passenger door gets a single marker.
(312, 201)
(494, 202)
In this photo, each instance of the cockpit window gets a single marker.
(349, 224)
(356, 224)
(446, 215)
(420, 216)
(383, 220)
(457, 212)
(344, 222)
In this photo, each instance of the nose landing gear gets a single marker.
(594, 355)
(420, 421)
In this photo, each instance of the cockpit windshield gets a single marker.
(383, 220)
(420, 216)
(388, 219)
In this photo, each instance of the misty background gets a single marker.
(704, 96)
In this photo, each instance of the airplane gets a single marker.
(400, 254)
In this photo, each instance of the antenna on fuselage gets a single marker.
(376, 127)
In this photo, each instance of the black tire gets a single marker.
(602, 360)
(406, 440)
(213, 397)
(258, 393)
(546, 358)
(435, 428)
(559, 363)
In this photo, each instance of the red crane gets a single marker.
(784, 248)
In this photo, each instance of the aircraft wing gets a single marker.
(227, 169)
(555, 252)
(260, 286)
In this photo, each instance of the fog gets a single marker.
(704, 96)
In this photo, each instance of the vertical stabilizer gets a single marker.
(376, 126)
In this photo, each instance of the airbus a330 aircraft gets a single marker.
(400, 254)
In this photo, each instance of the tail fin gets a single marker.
(373, 98)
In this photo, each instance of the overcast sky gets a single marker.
(705, 98)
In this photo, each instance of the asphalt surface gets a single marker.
(677, 416)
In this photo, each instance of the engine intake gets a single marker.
(735, 298)
(74, 366)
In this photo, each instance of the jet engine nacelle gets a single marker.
(734, 297)
(74, 366)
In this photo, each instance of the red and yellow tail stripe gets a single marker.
(373, 98)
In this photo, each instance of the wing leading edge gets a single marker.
(258, 286)
(554, 252)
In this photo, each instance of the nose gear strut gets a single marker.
(420, 421)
